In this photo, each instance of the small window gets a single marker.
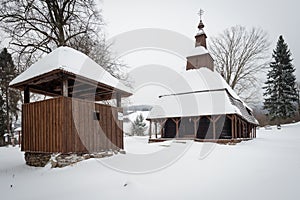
(96, 115)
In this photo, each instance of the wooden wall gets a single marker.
(70, 125)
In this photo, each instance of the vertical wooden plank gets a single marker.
(119, 129)
(68, 115)
(103, 127)
(113, 127)
(33, 147)
(109, 127)
(59, 121)
(31, 130)
(96, 125)
(23, 127)
(37, 123)
(82, 134)
(52, 114)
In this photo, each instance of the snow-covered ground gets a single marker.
(265, 168)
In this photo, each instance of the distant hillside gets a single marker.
(131, 109)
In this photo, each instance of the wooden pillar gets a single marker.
(65, 87)
(177, 126)
(161, 124)
(214, 130)
(237, 127)
(232, 125)
(214, 120)
(118, 98)
(241, 128)
(150, 129)
(196, 121)
(155, 124)
(26, 94)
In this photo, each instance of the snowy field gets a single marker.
(265, 168)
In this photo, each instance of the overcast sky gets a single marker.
(274, 16)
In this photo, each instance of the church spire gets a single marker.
(201, 36)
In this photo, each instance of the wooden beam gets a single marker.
(26, 94)
(118, 98)
(150, 129)
(65, 88)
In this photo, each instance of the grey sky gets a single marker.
(274, 16)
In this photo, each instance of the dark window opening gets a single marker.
(96, 115)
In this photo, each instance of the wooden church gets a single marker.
(202, 106)
(70, 120)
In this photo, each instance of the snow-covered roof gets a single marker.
(200, 92)
(72, 61)
(199, 50)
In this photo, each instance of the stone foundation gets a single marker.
(63, 160)
(37, 159)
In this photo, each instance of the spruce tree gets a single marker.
(9, 96)
(280, 95)
(138, 126)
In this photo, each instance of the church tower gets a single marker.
(199, 56)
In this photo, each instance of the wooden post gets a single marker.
(161, 124)
(26, 94)
(232, 125)
(177, 127)
(240, 129)
(214, 120)
(150, 129)
(235, 127)
(65, 87)
(196, 120)
(155, 124)
(118, 98)
(214, 130)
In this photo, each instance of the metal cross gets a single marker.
(200, 13)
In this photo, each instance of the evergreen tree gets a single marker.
(138, 126)
(2, 120)
(9, 96)
(281, 95)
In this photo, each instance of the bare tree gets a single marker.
(241, 55)
(39, 26)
